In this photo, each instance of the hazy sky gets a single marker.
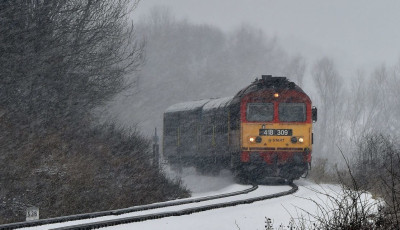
(356, 33)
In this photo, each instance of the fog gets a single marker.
(65, 64)
(186, 61)
(357, 33)
(344, 55)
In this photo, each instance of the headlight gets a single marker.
(293, 139)
(301, 140)
(252, 139)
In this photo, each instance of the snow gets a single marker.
(216, 103)
(205, 104)
(185, 106)
(204, 185)
(249, 216)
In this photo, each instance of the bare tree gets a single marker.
(356, 107)
(296, 69)
(329, 86)
(185, 61)
(59, 59)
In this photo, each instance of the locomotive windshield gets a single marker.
(260, 112)
(292, 112)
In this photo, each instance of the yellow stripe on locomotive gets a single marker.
(300, 140)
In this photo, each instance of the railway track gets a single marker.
(125, 220)
(122, 211)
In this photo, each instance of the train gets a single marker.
(264, 131)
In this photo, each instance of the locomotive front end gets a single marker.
(276, 129)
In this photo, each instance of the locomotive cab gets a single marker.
(276, 129)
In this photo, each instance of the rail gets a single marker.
(122, 211)
(126, 220)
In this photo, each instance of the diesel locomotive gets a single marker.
(265, 130)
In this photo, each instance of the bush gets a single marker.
(374, 168)
(320, 171)
(94, 169)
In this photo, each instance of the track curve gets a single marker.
(122, 211)
(187, 211)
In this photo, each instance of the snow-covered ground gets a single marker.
(250, 216)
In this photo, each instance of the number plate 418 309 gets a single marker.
(276, 132)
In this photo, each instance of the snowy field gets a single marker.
(250, 216)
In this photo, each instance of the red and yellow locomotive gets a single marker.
(265, 130)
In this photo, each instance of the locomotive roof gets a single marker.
(186, 106)
(217, 103)
(205, 104)
(269, 82)
(266, 82)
